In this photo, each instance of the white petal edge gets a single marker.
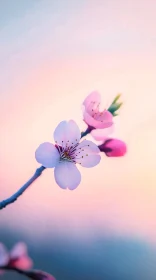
(88, 146)
(60, 132)
(89, 160)
(67, 175)
(47, 154)
(67, 133)
(87, 154)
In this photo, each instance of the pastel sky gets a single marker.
(53, 54)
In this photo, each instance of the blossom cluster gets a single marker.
(68, 149)
(18, 260)
(68, 152)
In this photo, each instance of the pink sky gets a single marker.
(51, 58)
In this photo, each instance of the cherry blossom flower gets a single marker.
(93, 117)
(113, 148)
(16, 258)
(66, 153)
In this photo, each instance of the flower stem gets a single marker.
(23, 272)
(32, 274)
(37, 174)
(88, 130)
(15, 196)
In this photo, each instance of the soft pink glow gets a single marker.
(49, 65)
(16, 258)
(66, 153)
(19, 257)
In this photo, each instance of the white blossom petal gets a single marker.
(89, 161)
(89, 147)
(67, 134)
(67, 175)
(87, 154)
(48, 155)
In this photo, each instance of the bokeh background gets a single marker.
(53, 54)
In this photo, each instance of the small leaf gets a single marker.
(116, 98)
(115, 114)
(114, 107)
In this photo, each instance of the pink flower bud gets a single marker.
(113, 148)
(19, 257)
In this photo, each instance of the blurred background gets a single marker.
(53, 54)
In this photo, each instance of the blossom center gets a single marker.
(72, 153)
(94, 109)
(67, 152)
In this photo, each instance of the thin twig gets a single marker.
(15, 196)
(32, 274)
(88, 130)
(37, 174)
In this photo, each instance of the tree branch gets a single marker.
(32, 274)
(15, 196)
(37, 174)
